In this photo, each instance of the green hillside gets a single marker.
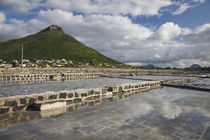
(51, 43)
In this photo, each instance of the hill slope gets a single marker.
(51, 43)
(195, 66)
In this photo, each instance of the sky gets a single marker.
(166, 33)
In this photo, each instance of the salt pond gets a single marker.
(167, 113)
(12, 89)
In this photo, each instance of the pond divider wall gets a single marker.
(179, 81)
(61, 76)
(68, 98)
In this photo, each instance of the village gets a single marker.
(48, 63)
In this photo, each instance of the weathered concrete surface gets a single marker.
(47, 105)
(168, 113)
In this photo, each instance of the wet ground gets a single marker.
(167, 113)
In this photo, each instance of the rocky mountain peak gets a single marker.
(53, 28)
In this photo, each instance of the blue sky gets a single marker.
(172, 33)
(191, 18)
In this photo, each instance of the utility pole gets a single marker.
(123, 59)
(22, 57)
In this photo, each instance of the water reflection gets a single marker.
(21, 117)
(166, 113)
(203, 83)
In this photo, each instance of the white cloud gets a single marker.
(202, 28)
(116, 36)
(183, 6)
(181, 9)
(19, 28)
(20, 6)
(200, 1)
(133, 7)
(111, 7)
(2, 16)
(169, 110)
(167, 31)
(200, 36)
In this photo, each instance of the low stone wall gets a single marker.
(7, 74)
(78, 76)
(24, 77)
(178, 81)
(89, 96)
(61, 76)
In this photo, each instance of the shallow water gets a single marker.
(200, 83)
(11, 89)
(167, 113)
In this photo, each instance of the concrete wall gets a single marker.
(56, 73)
(89, 97)
(36, 77)
(178, 81)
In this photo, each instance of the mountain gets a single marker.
(51, 43)
(195, 66)
(150, 66)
